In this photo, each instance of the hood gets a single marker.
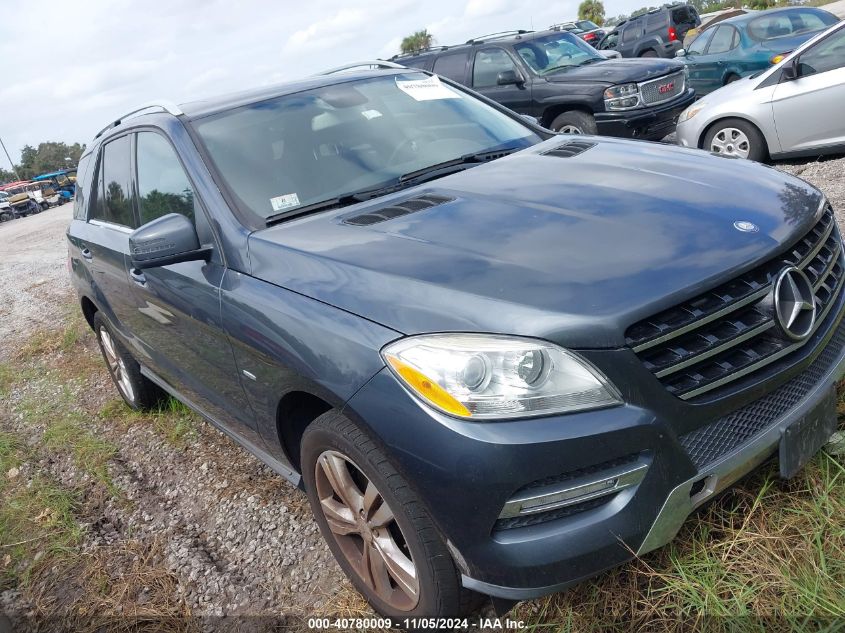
(572, 249)
(617, 71)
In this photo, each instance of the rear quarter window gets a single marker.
(786, 23)
(82, 186)
(452, 66)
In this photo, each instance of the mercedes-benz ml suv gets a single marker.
(497, 360)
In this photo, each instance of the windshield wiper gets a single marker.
(334, 203)
(590, 60)
(436, 170)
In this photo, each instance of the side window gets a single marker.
(163, 186)
(488, 64)
(700, 43)
(632, 31)
(723, 40)
(81, 185)
(829, 54)
(452, 66)
(114, 203)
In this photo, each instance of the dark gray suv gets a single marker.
(497, 360)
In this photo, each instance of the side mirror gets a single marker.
(508, 78)
(790, 71)
(169, 239)
(681, 52)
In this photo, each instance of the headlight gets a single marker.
(690, 112)
(622, 97)
(483, 376)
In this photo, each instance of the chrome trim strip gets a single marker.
(111, 225)
(730, 468)
(611, 481)
(759, 294)
(826, 272)
(692, 360)
(777, 355)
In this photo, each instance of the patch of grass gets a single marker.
(176, 423)
(90, 452)
(37, 524)
(8, 377)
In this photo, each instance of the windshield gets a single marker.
(586, 25)
(556, 52)
(304, 148)
(786, 23)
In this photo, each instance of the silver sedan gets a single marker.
(795, 108)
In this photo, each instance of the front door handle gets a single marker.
(138, 277)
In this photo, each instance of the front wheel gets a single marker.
(736, 138)
(574, 122)
(648, 53)
(376, 526)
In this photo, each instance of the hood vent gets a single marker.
(570, 149)
(412, 205)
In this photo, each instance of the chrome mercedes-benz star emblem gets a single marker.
(745, 226)
(795, 304)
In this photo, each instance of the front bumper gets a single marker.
(466, 472)
(649, 123)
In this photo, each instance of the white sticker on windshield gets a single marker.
(427, 89)
(280, 203)
(371, 114)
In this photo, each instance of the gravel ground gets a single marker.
(237, 539)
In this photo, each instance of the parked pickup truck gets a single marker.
(565, 83)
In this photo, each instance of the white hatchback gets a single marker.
(794, 108)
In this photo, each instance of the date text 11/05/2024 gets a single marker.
(343, 624)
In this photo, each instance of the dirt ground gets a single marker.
(206, 529)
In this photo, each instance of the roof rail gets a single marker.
(166, 106)
(490, 36)
(422, 51)
(378, 63)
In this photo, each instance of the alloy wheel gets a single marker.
(570, 129)
(731, 142)
(116, 366)
(365, 529)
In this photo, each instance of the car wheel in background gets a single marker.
(375, 525)
(731, 78)
(737, 138)
(648, 53)
(137, 390)
(574, 122)
(5, 216)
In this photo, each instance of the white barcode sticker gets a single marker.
(427, 89)
(280, 203)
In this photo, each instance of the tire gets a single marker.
(731, 78)
(5, 216)
(335, 444)
(574, 122)
(736, 137)
(649, 53)
(138, 391)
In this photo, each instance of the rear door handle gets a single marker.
(87, 254)
(138, 277)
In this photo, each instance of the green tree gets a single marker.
(50, 156)
(592, 10)
(417, 42)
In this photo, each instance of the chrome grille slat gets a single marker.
(699, 345)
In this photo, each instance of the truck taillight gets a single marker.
(673, 34)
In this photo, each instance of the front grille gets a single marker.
(711, 442)
(730, 332)
(663, 88)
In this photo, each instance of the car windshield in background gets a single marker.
(786, 23)
(305, 148)
(586, 25)
(556, 52)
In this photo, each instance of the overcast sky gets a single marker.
(70, 67)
